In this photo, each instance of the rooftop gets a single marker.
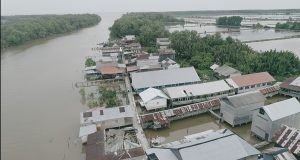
(152, 93)
(221, 144)
(164, 77)
(253, 79)
(226, 70)
(292, 83)
(166, 51)
(289, 138)
(282, 109)
(104, 114)
(111, 70)
(245, 99)
(197, 89)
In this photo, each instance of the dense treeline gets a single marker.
(16, 30)
(288, 25)
(229, 21)
(201, 53)
(146, 26)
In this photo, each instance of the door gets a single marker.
(266, 137)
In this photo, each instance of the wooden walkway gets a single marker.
(96, 83)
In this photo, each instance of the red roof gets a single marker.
(110, 70)
(287, 84)
(252, 79)
(132, 68)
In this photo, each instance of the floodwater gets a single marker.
(39, 107)
(180, 128)
(286, 44)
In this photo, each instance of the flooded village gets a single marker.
(187, 92)
(147, 106)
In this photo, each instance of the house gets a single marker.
(166, 53)
(214, 66)
(153, 99)
(253, 81)
(169, 64)
(108, 117)
(226, 71)
(110, 51)
(111, 72)
(164, 78)
(149, 64)
(192, 93)
(163, 43)
(91, 73)
(291, 87)
(267, 120)
(128, 39)
(289, 138)
(133, 47)
(209, 145)
(238, 109)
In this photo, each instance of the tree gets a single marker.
(229, 21)
(89, 62)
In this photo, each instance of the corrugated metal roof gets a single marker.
(245, 99)
(164, 77)
(289, 138)
(226, 70)
(212, 146)
(291, 84)
(197, 89)
(253, 79)
(282, 109)
(152, 93)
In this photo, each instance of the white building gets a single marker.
(164, 78)
(210, 145)
(108, 117)
(194, 93)
(251, 82)
(268, 119)
(153, 99)
(238, 109)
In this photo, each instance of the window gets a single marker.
(264, 84)
(269, 83)
(247, 87)
(252, 86)
(261, 111)
(241, 88)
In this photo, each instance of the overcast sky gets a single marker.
(14, 7)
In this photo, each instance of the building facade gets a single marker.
(267, 120)
(291, 87)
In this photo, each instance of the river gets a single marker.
(39, 107)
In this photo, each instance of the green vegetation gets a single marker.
(146, 26)
(201, 52)
(89, 62)
(16, 30)
(109, 97)
(229, 21)
(288, 25)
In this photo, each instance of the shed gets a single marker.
(153, 99)
(226, 71)
(238, 109)
(268, 119)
